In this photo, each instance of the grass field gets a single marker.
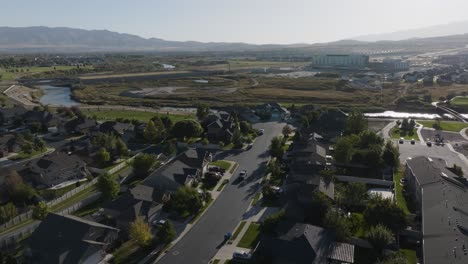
(23, 155)
(446, 125)
(460, 101)
(396, 133)
(138, 115)
(74, 199)
(251, 236)
(7, 75)
(114, 75)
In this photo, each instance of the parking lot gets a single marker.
(448, 136)
(409, 151)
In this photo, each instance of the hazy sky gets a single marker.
(253, 21)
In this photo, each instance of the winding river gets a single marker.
(57, 95)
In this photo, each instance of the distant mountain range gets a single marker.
(454, 28)
(61, 39)
(71, 39)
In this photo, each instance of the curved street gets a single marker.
(201, 243)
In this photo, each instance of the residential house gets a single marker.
(124, 130)
(137, 202)
(184, 170)
(43, 118)
(308, 158)
(442, 198)
(63, 239)
(9, 143)
(56, 168)
(302, 243)
(78, 125)
(219, 127)
(272, 110)
(9, 115)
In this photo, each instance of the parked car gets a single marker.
(242, 255)
(262, 131)
(429, 143)
(402, 140)
(277, 190)
(242, 175)
(159, 222)
(249, 146)
(413, 141)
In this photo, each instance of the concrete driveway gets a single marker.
(202, 242)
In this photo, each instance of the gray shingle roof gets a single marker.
(444, 212)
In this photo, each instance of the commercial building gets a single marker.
(443, 201)
(390, 65)
(340, 60)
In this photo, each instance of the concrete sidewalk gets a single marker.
(253, 214)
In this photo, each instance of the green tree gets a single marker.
(108, 186)
(338, 223)
(320, 205)
(344, 149)
(7, 212)
(287, 130)
(187, 129)
(245, 127)
(385, 212)
(405, 124)
(276, 148)
(355, 123)
(103, 156)
(237, 138)
(19, 192)
(379, 237)
(327, 175)
(353, 194)
(269, 224)
(121, 148)
(391, 155)
(27, 147)
(39, 144)
(143, 163)
(202, 111)
(40, 211)
(167, 232)
(167, 122)
(169, 148)
(186, 201)
(140, 231)
(152, 133)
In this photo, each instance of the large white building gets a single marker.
(340, 60)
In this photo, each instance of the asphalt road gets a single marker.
(200, 244)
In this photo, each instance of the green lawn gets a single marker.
(460, 100)
(74, 199)
(124, 253)
(446, 125)
(220, 188)
(233, 168)
(400, 199)
(256, 198)
(23, 155)
(222, 164)
(216, 261)
(138, 115)
(396, 133)
(238, 230)
(361, 232)
(250, 238)
(90, 208)
(410, 256)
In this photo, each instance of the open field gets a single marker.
(249, 64)
(138, 115)
(438, 91)
(460, 101)
(445, 125)
(229, 90)
(24, 71)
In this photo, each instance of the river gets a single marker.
(57, 95)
